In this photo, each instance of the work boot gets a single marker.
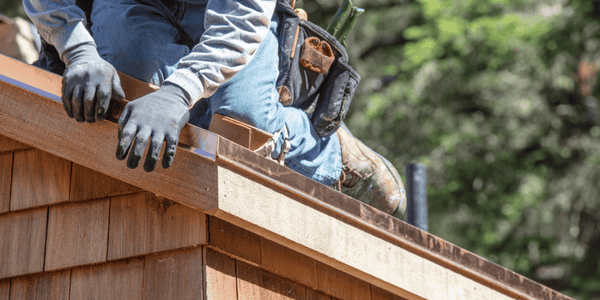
(369, 177)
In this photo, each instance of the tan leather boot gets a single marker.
(369, 177)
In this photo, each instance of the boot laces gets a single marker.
(349, 178)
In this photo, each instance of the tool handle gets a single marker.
(340, 16)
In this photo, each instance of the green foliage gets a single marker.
(484, 93)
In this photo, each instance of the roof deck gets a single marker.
(221, 223)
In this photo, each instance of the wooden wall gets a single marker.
(68, 232)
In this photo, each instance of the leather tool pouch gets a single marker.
(309, 77)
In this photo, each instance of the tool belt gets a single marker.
(314, 74)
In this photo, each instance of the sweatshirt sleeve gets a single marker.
(233, 31)
(60, 22)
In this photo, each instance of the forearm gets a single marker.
(234, 30)
(60, 22)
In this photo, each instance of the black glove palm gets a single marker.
(88, 84)
(158, 116)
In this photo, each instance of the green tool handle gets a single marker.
(349, 24)
(340, 16)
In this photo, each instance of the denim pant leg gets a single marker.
(251, 96)
(141, 41)
(138, 39)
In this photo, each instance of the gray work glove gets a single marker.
(89, 82)
(159, 117)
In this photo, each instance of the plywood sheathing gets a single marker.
(6, 161)
(77, 234)
(143, 223)
(46, 286)
(115, 280)
(220, 276)
(89, 184)
(22, 243)
(39, 179)
(174, 275)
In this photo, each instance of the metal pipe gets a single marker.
(416, 181)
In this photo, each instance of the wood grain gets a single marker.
(314, 295)
(239, 132)
(342, 285)
(45, 286)
(22, 243)
(10, 145)
(288, 263)
(257, 284)
(143, 223)
(381, 294)
(77, 234)
(4, 289)
(234, 240)
(89, 184)
(6, 162)
(42, 123)
(174, 275)
(115, 280)
(220, 276)
(39, 178)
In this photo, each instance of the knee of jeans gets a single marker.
(144, 67)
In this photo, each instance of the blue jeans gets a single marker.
(144, 39)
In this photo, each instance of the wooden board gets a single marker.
(220, 276)
(6, 162)
(143, 223)
(239, 132)
(337, 243)
(314, 295)
(380, 294)
(174, 275)
(234, 240)
(40, 121)
(288, 263)
(22, 243)
(257, 284)
(39, 178)
(4, 289)
(89, 184)
(77, 234)
(10, 145)
(342, 285)
(46, 286)
(115, 280)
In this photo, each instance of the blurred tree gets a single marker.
(12, 8)
(486, 94)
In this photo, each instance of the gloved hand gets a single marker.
(158, 116)
(88, 84)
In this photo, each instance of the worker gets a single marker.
(219, 54)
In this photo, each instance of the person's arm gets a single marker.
(234, 30)
(89, 81)
(60, 22)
